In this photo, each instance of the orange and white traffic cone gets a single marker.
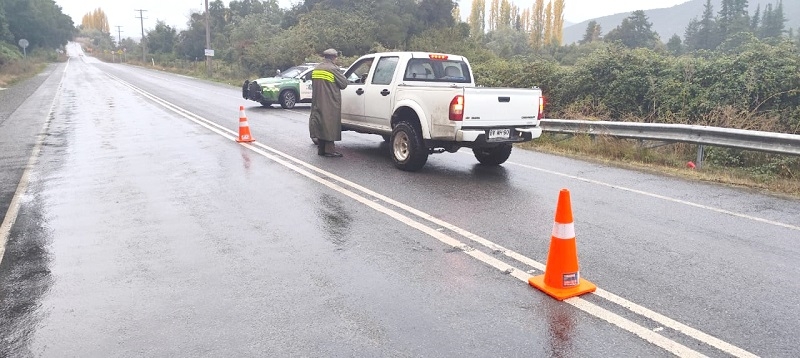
(561, 278)
(244, 128)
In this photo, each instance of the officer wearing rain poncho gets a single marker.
(325, 122)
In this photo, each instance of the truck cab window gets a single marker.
(358, 72)
(419, 70)
(384, 71)
(437, 70)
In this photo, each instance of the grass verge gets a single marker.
(673, 160)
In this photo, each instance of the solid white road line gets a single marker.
(657, 196)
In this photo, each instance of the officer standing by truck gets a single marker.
(325, 121)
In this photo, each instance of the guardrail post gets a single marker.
(700, 152)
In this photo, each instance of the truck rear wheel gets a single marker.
(408, 149)
(494, 155)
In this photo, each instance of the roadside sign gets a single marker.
(24, 44)
(209, 53)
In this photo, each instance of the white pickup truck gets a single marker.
(425, 103)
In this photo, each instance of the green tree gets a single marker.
(507, 42)
(674, 45)
(191, 43)
(5, 33)
(435, 14)
(593, 33)
(702, 34)
(396, 19)
(732, 18)
(634, 32)
(41, 22)
(773, 24)
(100, 40)
(241, 8)
(325, 28)
(707, 34)
(129, 46)
(755, 21)
(451, 40)
(254, 38)
(161, 40)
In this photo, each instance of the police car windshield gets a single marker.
(293, 72)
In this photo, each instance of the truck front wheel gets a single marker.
(494, 155)
(408, 149)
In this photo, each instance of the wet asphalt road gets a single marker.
(145, 230)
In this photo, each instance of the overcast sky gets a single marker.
(175, 13)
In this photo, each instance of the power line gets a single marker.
(119, 34)
(141, 18)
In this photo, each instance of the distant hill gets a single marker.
(670, 21)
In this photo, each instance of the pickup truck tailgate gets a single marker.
(489, 107)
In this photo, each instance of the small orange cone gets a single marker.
(561, 278)
(244, 128)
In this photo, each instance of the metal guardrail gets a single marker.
(779, 143)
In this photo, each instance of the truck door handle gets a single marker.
(504, 99)
(359, 91)
(385, 92)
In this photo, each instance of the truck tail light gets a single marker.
(457, 108)
(541, 108)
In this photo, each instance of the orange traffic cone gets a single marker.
(561, 278)
(244, 128)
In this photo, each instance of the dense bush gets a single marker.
(8, 53)
(755, 88)
(624, 80)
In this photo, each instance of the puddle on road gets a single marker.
(335, 220)
(25, 278)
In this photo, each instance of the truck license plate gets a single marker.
(499, 133)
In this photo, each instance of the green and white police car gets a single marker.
(287, 88)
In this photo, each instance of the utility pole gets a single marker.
(119, 35)
(208, 42)
(144, 49)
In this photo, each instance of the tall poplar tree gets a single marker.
(494, 15)
(558, 23)
(96, 20)
(505, 17)
(548, 23)
(525, 20)
(477, 18)
(537, 25)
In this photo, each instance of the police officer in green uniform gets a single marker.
(325, 121)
